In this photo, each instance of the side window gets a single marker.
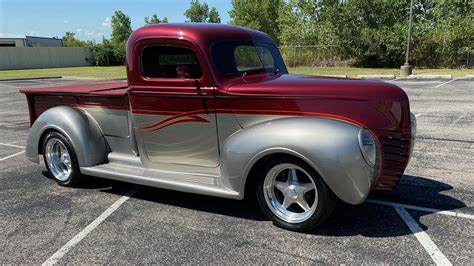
(170, 62)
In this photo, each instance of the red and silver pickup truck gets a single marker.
(211, 109)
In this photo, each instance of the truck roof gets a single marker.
(199, 33)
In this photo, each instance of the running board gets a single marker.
(185, 182)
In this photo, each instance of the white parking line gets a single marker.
(11, 156)
(436, 255)
(423, 209)
(11, 145)
(9, 86)
(81, 235)
(52, 84)
(18, 122)
(445, 83)
(417, 115)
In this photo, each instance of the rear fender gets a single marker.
(82, 130)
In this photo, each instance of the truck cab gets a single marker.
(211, 109)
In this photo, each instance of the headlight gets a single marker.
(367, 146)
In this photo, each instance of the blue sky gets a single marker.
(87, 18)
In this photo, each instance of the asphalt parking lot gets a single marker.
(428, 219)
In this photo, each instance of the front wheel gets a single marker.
(60, 160)
(293, 195)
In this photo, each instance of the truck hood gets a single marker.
(318, 87)
(368, 103)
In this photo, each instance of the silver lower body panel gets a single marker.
(185, 182)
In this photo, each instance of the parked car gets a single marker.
(211, 109)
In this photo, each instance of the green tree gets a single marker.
(121, 27)
(70, 40)
(214, 16)
(198, 12)
(259, 15)
(155, 20)
(109, 53)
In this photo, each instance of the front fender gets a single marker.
(331, 147)
(82, 130)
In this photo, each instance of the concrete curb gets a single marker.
(376, 76)
(84, 78)
(469, 77)
(430, 77)
(334, 76)
(53, 77)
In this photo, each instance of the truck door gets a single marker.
(172, 101)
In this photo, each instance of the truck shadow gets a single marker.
(368, 219)
(374, 220)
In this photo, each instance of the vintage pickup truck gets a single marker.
(211, 109)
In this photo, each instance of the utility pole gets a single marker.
(407, 69)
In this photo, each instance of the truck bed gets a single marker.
(110, 88)
(111, 95)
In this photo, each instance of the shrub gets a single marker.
(109, 53)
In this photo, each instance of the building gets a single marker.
(28, 52)
(30, 41)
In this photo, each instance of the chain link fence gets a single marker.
(314, 56)
(333, 56)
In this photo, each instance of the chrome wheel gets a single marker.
(58, 159)
(290, 193)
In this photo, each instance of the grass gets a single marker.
(82, 72)
(119, 72)
(353, 71)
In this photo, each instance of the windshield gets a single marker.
(239, 57)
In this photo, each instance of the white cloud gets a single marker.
(33, 33)
(79, 30)
(107, 22)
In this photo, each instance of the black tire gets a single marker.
(326, 203)
(75, 177)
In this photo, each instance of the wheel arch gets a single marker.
(79, 127)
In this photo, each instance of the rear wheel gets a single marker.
(293, 195)
(60, 160)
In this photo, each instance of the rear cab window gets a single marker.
(170, 62)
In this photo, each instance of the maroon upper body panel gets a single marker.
(371, 104)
